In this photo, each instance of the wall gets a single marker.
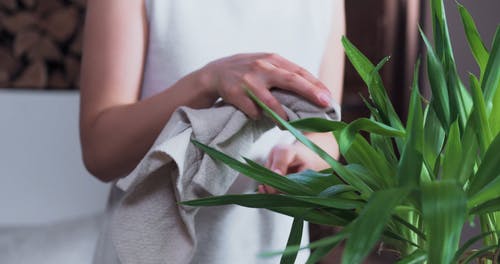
(42, 177)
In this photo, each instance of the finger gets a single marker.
(270, 190)
(260, 89)
(261, 189)
(246, 105)
(293, 82)
(282, 159)
(284, 63)
(268, 99)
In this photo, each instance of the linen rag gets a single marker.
(148, 226)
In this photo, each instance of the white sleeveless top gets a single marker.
(185, 35)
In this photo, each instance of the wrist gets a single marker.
(204, 80)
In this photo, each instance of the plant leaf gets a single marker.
(489, 206)
(367, 228)
(315, 124)
(339, 169)
(348, 134)
(459, 254)
(488, 171)
(444, 211)
(433, 138)
(440, 98)
(369, 74)
(410, 165)
(266, 177)
(491, 80)
(476, 44)
(293, 240)
(419, 256)
(452, 161)
(479, 115)
(272, 200)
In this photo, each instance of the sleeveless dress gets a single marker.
(185, 35)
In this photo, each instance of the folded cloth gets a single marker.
(148, 225)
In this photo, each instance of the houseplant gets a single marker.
(411, 186)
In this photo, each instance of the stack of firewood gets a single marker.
(40, 43)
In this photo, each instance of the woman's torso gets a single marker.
(185, 35)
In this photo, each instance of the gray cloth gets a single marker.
(148, 226)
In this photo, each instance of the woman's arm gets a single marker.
(117, 129)
(285, 159)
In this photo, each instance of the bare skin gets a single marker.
(115, 43)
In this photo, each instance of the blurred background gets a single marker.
(50, 207)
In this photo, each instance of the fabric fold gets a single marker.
(148, 225)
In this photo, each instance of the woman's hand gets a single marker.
(286, 159)
(259, 72)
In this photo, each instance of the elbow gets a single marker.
(97, 165)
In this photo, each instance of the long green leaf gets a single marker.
(444, 211)
(434, 136)
(452, 161)
(489, 206)
(460, 253)
(494, 118)
(315, 181)
(361, 152)
(317, 216)
(368, 227)
(269, 178)
(271, 201)
(293, 240)
(347, 135)
(320, 253)
(487, 172)
(341, 171)
(458, 97)
(417, 257)
(410, 165)
(480, 252)
(369, 74)
(324, 242)
(491, 80)
(469, 152)
(479, 115)
(315, 124)
(440, 97)
(476, 44)
(312, 180)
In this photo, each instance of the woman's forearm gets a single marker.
(116, 139)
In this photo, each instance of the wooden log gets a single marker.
(4, 79)
(57, 80)
(46, 50)
(8, 64)
(76, 44)
(72, 68)
(47, 6)
(61, 24)
(35, 76)
(9, 4)
(24, 41)
(29, 3)
(19, 22)
(80, 3)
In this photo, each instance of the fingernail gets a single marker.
(325, 98)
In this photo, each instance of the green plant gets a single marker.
(412, 187)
